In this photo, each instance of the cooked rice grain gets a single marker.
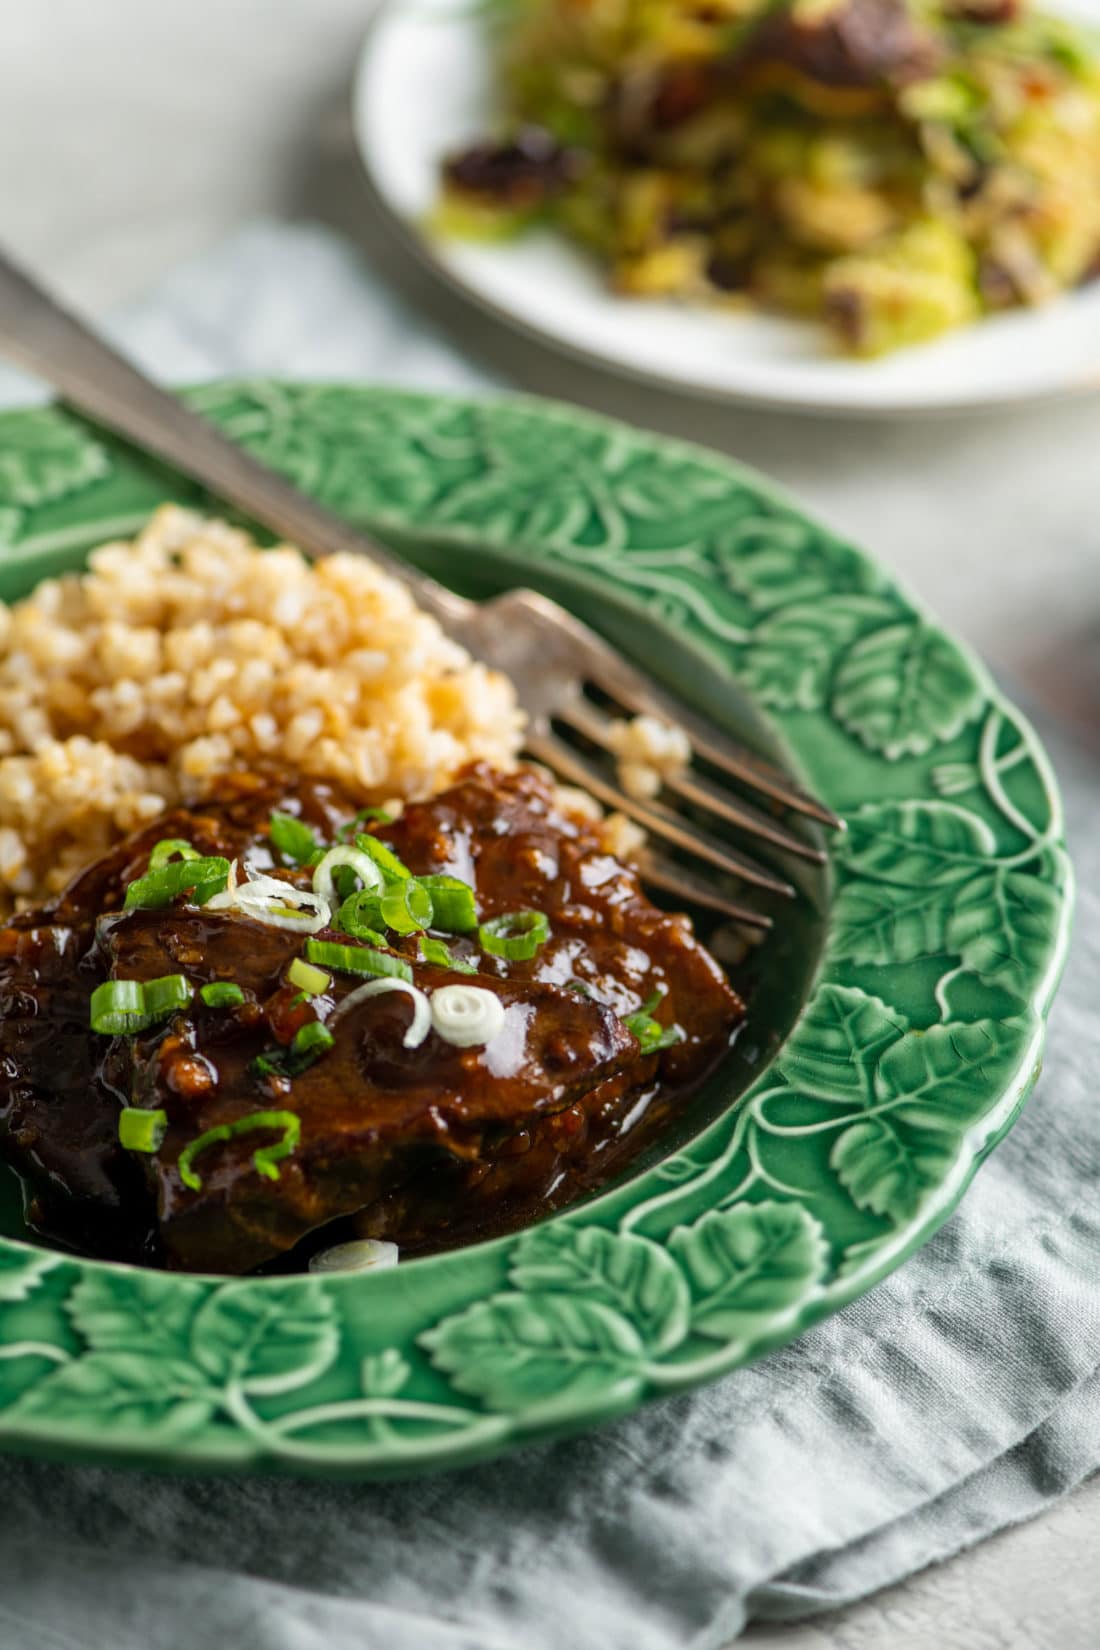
(189, 653)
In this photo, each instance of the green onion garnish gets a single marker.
(222, 994)
(350, 826)
(292, 839)
(361, 917)
(579, 987)
(516, 936)
(454, 907)
(200, 878)
(123, 1008)
(384, 857)
(310, 1042)
(651, 1034)
(357, 959)
(312, 982)
(141, 1131)
(168, 849)
(441, 956)
(263, 1160)
(313, 1039)
(407, 907)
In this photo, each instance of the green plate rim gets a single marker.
(921, 1040)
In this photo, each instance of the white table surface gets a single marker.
(136, 133)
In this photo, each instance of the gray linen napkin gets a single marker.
(960, 1396)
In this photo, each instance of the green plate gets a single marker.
(897, 1022)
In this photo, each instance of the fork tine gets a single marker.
(594, 725)
(653, 816)
(637, 693)
(671, 878)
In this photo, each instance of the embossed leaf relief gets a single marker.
(168, 1353)
(899, 1101)
(21, 1273)
(793, 653)
(896, 684)
(45, 456)
(579, 486)
(926, 883)
(905, 688)
(352, 451)
(631, 1305)
(841, 1037)
(779, 560)
(748, 1266)
(622, 1272)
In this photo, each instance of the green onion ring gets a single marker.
(357, 959)
(263, 1160)
(516, 936)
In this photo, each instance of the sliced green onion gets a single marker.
(313, 1039)
(164, 996)
(141, 1131)
(467, 1016)
(579, 987)
(516, 936)
(200, 878)
(651, 1034)
(222, 994)
(279, 904)
(310, 1042)
(421, 1022)
(407, 907)
(360, 1255)
(345, 882)
(270, 1065)
(292, 839)
(361, 917)
(309, 980)
(441, 956)
(351, 826)
(361, 864)
(122, 1008)
(117, 1008)
(357, 959)
(168, 849)
(263, 1160)
(454, 906)
(384, 857)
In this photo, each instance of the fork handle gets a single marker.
(95, 379)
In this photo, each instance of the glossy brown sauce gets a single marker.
(429, 1146)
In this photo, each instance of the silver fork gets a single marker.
(552, 658)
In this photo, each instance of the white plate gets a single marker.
(424, 87)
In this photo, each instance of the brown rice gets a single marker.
(189, 653)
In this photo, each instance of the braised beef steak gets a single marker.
(428, 1145)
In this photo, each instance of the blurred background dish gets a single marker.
(887, 199)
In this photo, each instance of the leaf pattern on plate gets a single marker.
(921, 1037)
(22, 1270)
(47, 456)
(630, 1274)
(266, 1338)
(905, 688)
(843, 1035)
(118, 1393)
(793, 653)
(139, 1312)
(748, 1266)
(537, 1348)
